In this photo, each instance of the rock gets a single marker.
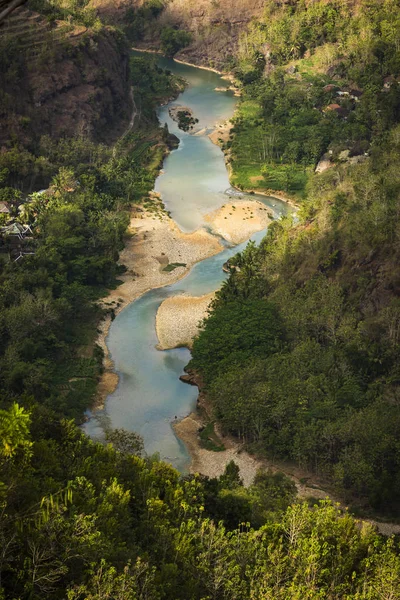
(324, 164)
(173, 141)
(355, 160)
(188, 378)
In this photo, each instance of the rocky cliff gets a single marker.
(214, 24)
(59, 79)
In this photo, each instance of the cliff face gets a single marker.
(214, 24)
(62, 80)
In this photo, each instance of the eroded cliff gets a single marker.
(215, 25)
(61, 79)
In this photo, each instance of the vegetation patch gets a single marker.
(172, 266)
(209, 439)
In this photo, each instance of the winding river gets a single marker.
(194, 182)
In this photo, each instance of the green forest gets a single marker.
(316, 384)
(299, 354)
(329, 88)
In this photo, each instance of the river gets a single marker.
(193, 183)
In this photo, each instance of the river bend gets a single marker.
(194, 182)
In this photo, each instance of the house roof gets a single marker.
(13, 229)
(330, 87)
(4, 208)
(339, 110)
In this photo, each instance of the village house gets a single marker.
(389, 81)
(4, 208)
(16, 230)
(339, 110)
(355, 95)
(331, 87)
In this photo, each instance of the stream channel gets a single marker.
(194, 182)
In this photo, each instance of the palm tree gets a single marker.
(26, 213)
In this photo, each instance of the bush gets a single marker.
(173, 40)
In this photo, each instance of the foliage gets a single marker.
(233, 333)
(137, 20)
(48, 300)
(14, 430)
(106, 524)
(283, 127)
(323, 393)
(209, 440)
(173, 40)
(76, 11)
(152, 84)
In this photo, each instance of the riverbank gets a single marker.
(224, 75)
(213, 464)
(220, 136)
(154, 243)
(152, 264)
(156, 254)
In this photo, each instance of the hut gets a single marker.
(4, 208)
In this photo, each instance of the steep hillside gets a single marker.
(318, 382)
(75, 79)
(214, 25)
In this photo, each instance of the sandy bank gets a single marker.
(210, 463)
(273, 194)
(221, 133)
(178, 319)
(227, 76)
(213, 464)
(238, 220)
(154, 242)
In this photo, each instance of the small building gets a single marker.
(388, 82)
(339, 110)
(356, 94)
(331, 87)
(332, 107)
(4, 208)
(16, 230)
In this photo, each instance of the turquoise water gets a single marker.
(197, 160)
(150, 395)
